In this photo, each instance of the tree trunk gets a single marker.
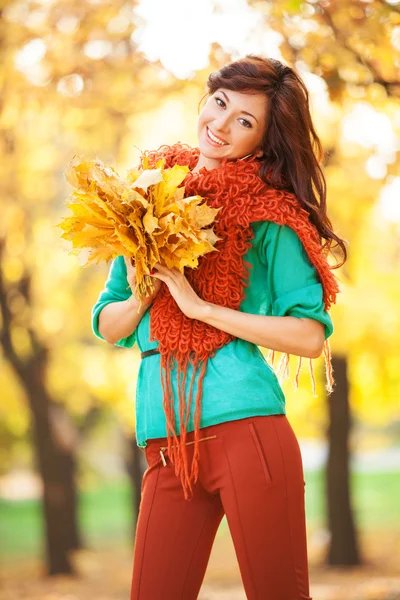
(54, 440)
(343, 549)
(56, 465)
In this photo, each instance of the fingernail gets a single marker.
(152, 272)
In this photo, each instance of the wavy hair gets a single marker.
(292, 151)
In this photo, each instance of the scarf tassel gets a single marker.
(177, 448)
(282, 370)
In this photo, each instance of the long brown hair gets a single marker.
(293, 152)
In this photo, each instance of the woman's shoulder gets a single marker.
(276, 242)
(117, 268)
(271, 230)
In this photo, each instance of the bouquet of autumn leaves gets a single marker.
(145, 216)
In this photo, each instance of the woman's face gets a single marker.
(237, 120)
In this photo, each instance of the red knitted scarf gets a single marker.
(221, 278)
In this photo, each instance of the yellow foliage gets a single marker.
(145, 217)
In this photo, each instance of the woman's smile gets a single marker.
(213, 139)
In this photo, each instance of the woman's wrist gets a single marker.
(134, 304)
(205, 312)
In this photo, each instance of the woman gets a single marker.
(210, 413)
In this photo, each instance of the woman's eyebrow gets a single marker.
(243, 111)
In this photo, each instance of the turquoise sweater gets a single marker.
(238, 382)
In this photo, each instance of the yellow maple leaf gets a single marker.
(147, 178)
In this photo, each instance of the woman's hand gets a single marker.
(131, 276)
(181, 290)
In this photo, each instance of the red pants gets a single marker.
(251, 470)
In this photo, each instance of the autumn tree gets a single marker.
(75, 89)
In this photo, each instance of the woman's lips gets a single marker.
(215, 144)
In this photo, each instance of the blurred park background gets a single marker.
(116, 78)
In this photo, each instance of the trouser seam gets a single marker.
(287, 511)
(240, 522)
(145, 534)
(193, 554)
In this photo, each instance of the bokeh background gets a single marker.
(113, 79)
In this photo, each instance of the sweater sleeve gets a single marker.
(116, 289)
(293, 280)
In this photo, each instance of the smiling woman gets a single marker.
(210, 411)
(233, 122)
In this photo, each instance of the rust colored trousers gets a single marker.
(249, 470)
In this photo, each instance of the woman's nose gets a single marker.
(222, 123)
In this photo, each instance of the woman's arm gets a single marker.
(115, 316)
(294, 335)
(118, 320)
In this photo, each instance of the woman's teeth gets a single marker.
(215, 139)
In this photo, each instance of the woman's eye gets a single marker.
(245, 122)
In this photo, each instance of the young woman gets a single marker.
(210, 412)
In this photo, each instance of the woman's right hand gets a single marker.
(131, 276)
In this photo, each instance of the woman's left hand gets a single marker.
(181, 290)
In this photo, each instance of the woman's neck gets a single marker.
(203, 161)
(211, 163)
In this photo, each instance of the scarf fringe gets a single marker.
(283, 368)
(282, 371)
(296, 379)
(177, 450)
(271, 357)
(330, 382)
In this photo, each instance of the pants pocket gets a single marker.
(260, 451)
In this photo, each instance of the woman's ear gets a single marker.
(260, 153)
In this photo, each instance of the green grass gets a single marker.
(106, 514)
(20, 528)
(375, 499)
